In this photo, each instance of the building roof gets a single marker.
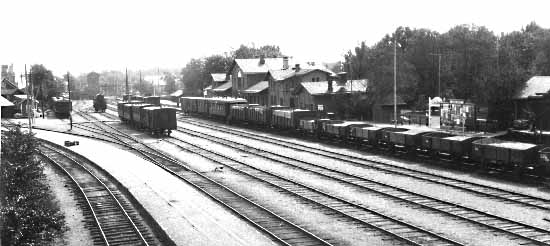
(534, 87)
(282, 74)
(257, 88)
(321, 87)
(218, 77)
(7, 84)
(5, 102)
(223, 87)
(253, 65)
(177, 93)
(12, 91)
(208, 88)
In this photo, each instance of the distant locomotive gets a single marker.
(61, 106)
(507, 152)
(99, 103)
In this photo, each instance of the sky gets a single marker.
(83, 36)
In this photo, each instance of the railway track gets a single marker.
(113, 220)
(278, 228)
(386, 167)
(341, 209)
(528, 234)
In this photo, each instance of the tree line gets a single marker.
(471, 63)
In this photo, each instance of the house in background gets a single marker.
(533, 102)
(282, 82)
(327, 95)
(219, 81)
(245, 73)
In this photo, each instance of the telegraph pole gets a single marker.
(438, 72)
(140, 82)
(28, 100)
(70, 102)
(395, 81)
(127, 88)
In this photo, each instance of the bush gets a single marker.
(29, 214)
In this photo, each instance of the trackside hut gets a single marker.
(533, 101)
(310, 95)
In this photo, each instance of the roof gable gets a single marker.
(258, 87)
(321, 87)
(534, 87)
(223, 87)
(218, 77)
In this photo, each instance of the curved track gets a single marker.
(471, 187)
(524, 232)
(115, 222)
(278, 228)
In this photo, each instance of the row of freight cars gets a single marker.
(147, 114)
(501, 152)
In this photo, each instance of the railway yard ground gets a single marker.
(317, 192)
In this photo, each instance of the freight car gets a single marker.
(61, 106)
(150, 118)
(99, 103)
(509, 154)
(155, 100)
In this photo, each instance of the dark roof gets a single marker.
(218, 77)
(5, 102)
(208, 87)
(534, 87)
(257, 88)
(321, 87)
(223, 87)
(12, 92)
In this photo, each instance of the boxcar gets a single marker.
(137, 114)
(155, 100)
(220, 107)
(290, 118)
(99, 103)
(61, 106)
(458, 146)
(432, 141)
(159, 121)
(238, 112)
(190, 105)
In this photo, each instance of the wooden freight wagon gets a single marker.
(343, 130)
(238, 113)
(458, 146)
(137, 114)
(220, 107)
(389, 133)
(159, 121)
(411, 139)
(432, 141)
(507, 154)
(155, 100)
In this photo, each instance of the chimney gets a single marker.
(285, 62)
(262, 59)
(330, 85)
(297, 67)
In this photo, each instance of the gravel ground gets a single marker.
(76, 233)
(435, 222)
(302, 214)
(453, 229)
(471, 177)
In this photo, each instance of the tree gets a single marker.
(170, 82)
(244, 52)
(193, 77)
(43, 82)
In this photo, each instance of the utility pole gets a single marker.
(395, 81)
(438, 72)
(28, 100)
(127, 88)
(70, 102)
(42, 94)
(140, 82)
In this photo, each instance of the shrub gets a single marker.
(29, 214)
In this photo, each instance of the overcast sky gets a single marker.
(81, 36)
